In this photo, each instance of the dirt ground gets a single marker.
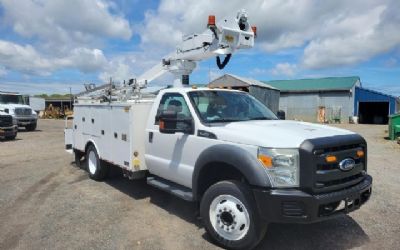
(48, 203)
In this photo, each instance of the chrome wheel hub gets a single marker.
(229, 217)
(92, 162)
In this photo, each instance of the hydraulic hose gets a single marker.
(225, 62)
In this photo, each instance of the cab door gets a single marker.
(165, 152)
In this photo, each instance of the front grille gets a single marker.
(317, 176)
(6, 121)
(23, 111)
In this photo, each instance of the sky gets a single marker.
(50, 46)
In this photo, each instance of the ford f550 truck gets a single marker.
(220, 148)
(227, 151)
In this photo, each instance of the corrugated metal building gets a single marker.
(373, 107)
(262, 91)
(333, 99)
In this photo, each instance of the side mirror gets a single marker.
(169, 123)
(281, 115)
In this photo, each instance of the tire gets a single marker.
(31, 127)
(230, 215)
(78, 158)
(11, 137)
(96, 168)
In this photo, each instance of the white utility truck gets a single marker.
(221, 148)
(14, 104)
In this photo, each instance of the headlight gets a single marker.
(14, 121)
(282, 166)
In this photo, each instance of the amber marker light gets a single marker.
(254, 29)
(162, 125)
(330, 159)
(265, 160)
(360, 153)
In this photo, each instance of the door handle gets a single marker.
(150, 137)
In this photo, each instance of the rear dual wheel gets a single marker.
(96, 168)
(230, 215)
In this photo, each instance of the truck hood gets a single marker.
(274, 133)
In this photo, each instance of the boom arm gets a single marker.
(223, 38)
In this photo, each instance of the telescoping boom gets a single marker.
(220, 38)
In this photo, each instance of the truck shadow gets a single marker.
(23, 130)
(340, 233)
(139, 189)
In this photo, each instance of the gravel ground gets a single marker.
(47, 203)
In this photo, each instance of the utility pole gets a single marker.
(70, 98)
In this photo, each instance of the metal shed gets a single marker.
(333, 99)
(261, 91)
(373, 107)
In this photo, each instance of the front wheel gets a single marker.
(31, 127)
(96, 168)
(230, 215)
(12, 137)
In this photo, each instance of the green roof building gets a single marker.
(333, 99)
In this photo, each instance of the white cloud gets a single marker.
(118, 69)
(332, 33)
(60, 21)
(60, 34)
(28, 60)
(3, 71)
(285, 69)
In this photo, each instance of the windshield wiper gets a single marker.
(224, 120)
(261, 118)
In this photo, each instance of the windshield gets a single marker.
(14, 99)
(227, 106)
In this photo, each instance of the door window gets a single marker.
(173, 102)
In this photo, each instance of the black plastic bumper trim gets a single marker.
(271, 209)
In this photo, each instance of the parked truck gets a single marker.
(14, 104)
(220, 148)
(8, 126)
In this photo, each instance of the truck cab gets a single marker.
(14, 105)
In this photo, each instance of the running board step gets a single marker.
(171, 187)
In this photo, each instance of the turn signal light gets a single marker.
(330, 159)
(162, 124)
(265, 160)
(360, 153)
(211, 20)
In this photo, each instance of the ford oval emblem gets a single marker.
(347, 164)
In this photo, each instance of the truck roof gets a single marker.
(193, 88)
(9, 93)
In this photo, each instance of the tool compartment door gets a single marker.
(68, 134)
